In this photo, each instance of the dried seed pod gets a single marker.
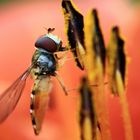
(116, 60)
(94, 42)
(74, 30)
(95, 65)
(88, 121)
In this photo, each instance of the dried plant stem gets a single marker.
(124, 105)
(100, 104)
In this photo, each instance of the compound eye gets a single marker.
(46, 43)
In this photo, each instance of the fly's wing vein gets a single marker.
(10, 97)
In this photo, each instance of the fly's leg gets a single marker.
(61, 83)
(61, 59)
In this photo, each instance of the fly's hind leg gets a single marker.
(61, 83)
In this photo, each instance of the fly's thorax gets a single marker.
(44, 63)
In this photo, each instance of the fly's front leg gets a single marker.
(61, 60)
(61, 57)
(39, 101)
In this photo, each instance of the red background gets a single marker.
(21, 24)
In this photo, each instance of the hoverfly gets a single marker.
(44, 65)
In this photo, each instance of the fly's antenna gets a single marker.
(49, 30)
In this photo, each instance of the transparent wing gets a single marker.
(10, 97)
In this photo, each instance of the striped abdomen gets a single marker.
(39, 101)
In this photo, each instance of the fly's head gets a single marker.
(49, 42)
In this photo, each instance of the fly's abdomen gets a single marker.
(39, 101)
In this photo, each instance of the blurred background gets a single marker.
(21, 23)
